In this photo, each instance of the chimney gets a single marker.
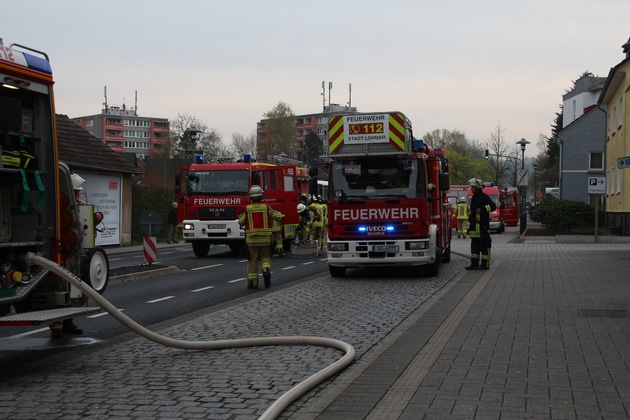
(626, 48)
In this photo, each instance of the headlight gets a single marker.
(417, 245)
(338, 246)
(189, 226)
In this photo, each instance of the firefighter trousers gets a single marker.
(479, 249)
(257, 254)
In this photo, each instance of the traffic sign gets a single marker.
(623, 162)
(596, 185)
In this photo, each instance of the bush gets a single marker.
(563, 216)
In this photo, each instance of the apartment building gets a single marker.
(123, 130)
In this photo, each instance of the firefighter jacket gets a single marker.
(318, 214)
(462, 210)
(257, 219)
(480, 223)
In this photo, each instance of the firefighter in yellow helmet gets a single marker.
(480, 242)
(257, 219)
(318, 222)
(462, 210)
(325, 221)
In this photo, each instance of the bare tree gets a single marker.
(184, 141)
(242, 145)
(501, 160)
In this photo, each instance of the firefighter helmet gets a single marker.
(300, 208)
(475, 182)
(462, 199)
(256, 193)
(77, 182)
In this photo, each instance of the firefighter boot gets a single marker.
(485, 265)
(473, 264)
(267, 277)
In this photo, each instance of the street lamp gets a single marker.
(535, 183)
(523, 188)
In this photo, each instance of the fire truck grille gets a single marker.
(217, 212)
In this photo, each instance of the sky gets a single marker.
(467, 65)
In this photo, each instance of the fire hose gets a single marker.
(281, 403)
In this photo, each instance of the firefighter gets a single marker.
(303, 230)
(463, 213)
(479, 226)
(276, 229)
(325, 221)
(257, 219)
(318, 222)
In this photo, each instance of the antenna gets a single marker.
(136, 105)
(349, 95)
(105, 92)
(324, 95)
(329, 89)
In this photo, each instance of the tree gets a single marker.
(314, 148)
(500, 165)
(183, 142)
(242, 145)
(280, 127)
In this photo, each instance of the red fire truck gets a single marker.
(212, 195)
(387, 195)
(38, 210)
(506, 200)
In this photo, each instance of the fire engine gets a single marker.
(39, 213)
(506, 199)
(212, 195)
(387, 195)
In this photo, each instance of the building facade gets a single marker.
(614, 96)
(582, 139)
(123, 130)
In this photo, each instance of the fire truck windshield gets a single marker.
(219, 182)
(382, 177)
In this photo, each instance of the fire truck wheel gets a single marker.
(201, 248)
(337, 271)
(96, 269)
(446, 258)
(434, 269)
(237, 249)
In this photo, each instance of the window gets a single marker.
(596, 161)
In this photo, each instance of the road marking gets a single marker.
(24, 334)
(101, 314)
(288, 268)
(243, 261)
(207, 266)
(202, 289)
(160, 299)
(307, 263)
(236, 280)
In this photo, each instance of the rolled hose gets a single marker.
(281, 403)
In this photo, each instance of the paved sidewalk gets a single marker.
(543, 334)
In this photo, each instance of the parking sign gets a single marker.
(597, 185)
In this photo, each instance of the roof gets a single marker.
(79, 149)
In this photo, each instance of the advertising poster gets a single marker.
(104, 193)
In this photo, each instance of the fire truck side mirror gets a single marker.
(445, 181)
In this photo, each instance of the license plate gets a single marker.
(216, 226)
(384, 248)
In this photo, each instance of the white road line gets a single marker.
(100, 314)
(307, 263)
(202, 289)
(237, 280)
(160, 299)
(207, 266)
(24, 334)
(288, 268)
(243, 261)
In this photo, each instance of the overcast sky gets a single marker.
(447, 64)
